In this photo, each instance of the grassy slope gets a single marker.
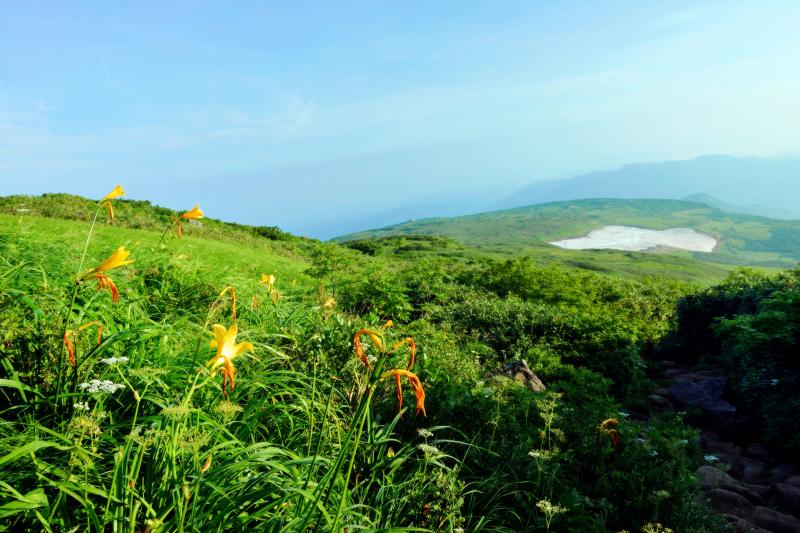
(743, 239)
(226, 247)
(234, 262)
(282, 408)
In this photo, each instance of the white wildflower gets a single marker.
(104, 386)
(424, 433)
(114, 360)
(544, 455)
(548, 508)
(81, 406)
(428, 450)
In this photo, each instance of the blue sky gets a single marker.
(325, 117)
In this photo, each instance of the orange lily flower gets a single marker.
(192, 214)
(69, 344)
(115, 260)
(375, 337)
(106, 201)
(608, 427)
(225, 342)
(412, 347)
(70, 348)
(415, 383)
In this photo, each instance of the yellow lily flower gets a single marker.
(115, 193)
(115, 260)
(106, 201)
(415, 383)
(193, 213)
(225, 342)
(268, 279)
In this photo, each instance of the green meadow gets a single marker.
(242, 378)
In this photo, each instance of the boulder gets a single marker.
(657, 400)
(519, 371)
(752, 471)
(793, 480)
(779, 473)
(706, 394)
(785, 497)
(710, 477)
(740, 525)
(761, 490)
(734, 462)
(774, 521)
(727, 502)
(744, 491)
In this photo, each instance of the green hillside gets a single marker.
(743, 239)
(117, 413)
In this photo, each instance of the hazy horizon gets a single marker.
(328, 119)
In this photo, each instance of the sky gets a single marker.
(328, 117)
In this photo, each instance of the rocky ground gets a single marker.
(754, 491)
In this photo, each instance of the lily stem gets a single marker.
(158, 245)
(61, 371)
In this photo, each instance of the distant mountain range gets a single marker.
(749, 185)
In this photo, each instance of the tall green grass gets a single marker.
(137, 434)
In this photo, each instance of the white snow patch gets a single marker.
(640, 240)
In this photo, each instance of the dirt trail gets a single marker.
(751, 489)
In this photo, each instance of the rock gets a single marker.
(753, 471)
(707, 395)
(793, 480)
(744, 491)
(785, 497)
(658, 401)
(727, 502)
(740, 525)
(779, 473)
(774, 521)
(735, 464)
(710, 477)
(519, 371)
(761, 490)
(758, 451)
